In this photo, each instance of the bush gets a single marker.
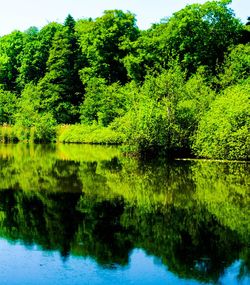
(103, 103)
(166, 112)
(223, 131)
(45, 128)
(7, 106)
(31, 123)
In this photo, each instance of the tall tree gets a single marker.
(60, 86)
(75, 60)
(35, 54)
(105, 43)
(196, 35)
(10, 48)
(201, 34)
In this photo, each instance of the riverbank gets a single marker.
(93, 134)
(96, 134)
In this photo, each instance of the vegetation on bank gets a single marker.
(181, 86)
(93, 134)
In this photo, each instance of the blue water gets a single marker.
(30, 265)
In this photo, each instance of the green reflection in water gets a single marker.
(93, 201)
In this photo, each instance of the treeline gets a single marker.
(181, 86)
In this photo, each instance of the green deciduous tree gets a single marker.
(196, 35)
(105, 43)
(35, 54)
(103, 103)
(10, 48)
(146, 54)
(236, 67)
(201, 34)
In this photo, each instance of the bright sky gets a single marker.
(21, 14)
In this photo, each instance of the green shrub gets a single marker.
(31, 123)
(224, 130)
(103, 103)
(7, 106)
(44, 128)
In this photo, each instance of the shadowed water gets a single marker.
(80, 214)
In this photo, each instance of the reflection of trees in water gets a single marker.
(189, 241)
(194, 216)
(48, 220)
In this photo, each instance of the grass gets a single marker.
(93, 134)
(8, 134)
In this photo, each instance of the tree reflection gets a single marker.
(194, 216)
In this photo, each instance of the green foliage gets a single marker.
(211, 29)
(93, 134)
(223, 131)
(92, 201)
(10, 48)
(57, 87)
(28, 106)
(35, 54)
(7, 107)
(236, 67)
(30, 122)
(167, 110)
(197, 35)
(103, 103)
(104, 43)
(191, 105)
(152, 88)
(146, 54)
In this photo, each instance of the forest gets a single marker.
(181, 87)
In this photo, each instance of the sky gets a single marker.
(21, 14)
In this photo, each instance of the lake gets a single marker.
(82, 214)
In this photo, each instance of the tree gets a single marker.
(105, 43)
(30, 114)
(145, 56)
(201, 34)
(245, 36)
(10, 48)
(248, 21)
(75, 60)
(197, 35)
(57, 86)
(103, 103)
(35, 54)
(192, 104)
(236, 67)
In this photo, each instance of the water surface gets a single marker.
(80, 214)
